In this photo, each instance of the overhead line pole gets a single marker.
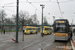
(42, 19)
(17, 21)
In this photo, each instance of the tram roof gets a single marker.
(62, 20)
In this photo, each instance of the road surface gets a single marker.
(32, 42)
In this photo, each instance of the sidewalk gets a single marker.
(73, 42)
(6, 42)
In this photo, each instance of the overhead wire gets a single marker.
(33, 5)
(59, 9)
(24, 2)
(66, 1)
(7, 6)
(8, 9)
(42, 2)
(37, 2)
(15, 6)
(47, 1)
(10, 3)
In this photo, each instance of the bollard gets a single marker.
(42, 34)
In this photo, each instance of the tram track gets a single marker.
(59, 45)
(22, 43)
(38, 42)
(26, 44)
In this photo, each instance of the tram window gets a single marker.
(29, 28)
(60, 29)
(50, 29)
(47, 28)
(34, 29)
(60, 25)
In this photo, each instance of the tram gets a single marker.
(46, 30)
(61, 29)
(30, 30)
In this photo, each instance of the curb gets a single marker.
(73, 44)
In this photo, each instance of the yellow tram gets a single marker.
(30, 30)
(61, 29)
(46, 29)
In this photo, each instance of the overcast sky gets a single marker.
(67, 8)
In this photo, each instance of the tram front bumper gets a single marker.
(61, 38)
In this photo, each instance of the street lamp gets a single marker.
(42, 18)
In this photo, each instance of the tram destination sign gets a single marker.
(60, 21)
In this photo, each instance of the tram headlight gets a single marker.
(66, 34)
(54, 34)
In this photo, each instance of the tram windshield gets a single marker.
(60, 28)
(61, 25)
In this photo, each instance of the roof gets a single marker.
(62, 20)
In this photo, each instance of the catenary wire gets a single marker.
(8, 9)
(33, 6)
(59, 9)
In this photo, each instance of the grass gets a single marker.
(10, 31)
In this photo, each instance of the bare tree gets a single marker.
(9, 21)
(2, 16)
(29, 21)
(34, 19)
(23, 17)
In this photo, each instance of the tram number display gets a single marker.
(60, 21)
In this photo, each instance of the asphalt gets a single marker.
(73, 42)
(31, 42)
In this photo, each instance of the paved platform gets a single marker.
(73, 42)
(31, 42)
